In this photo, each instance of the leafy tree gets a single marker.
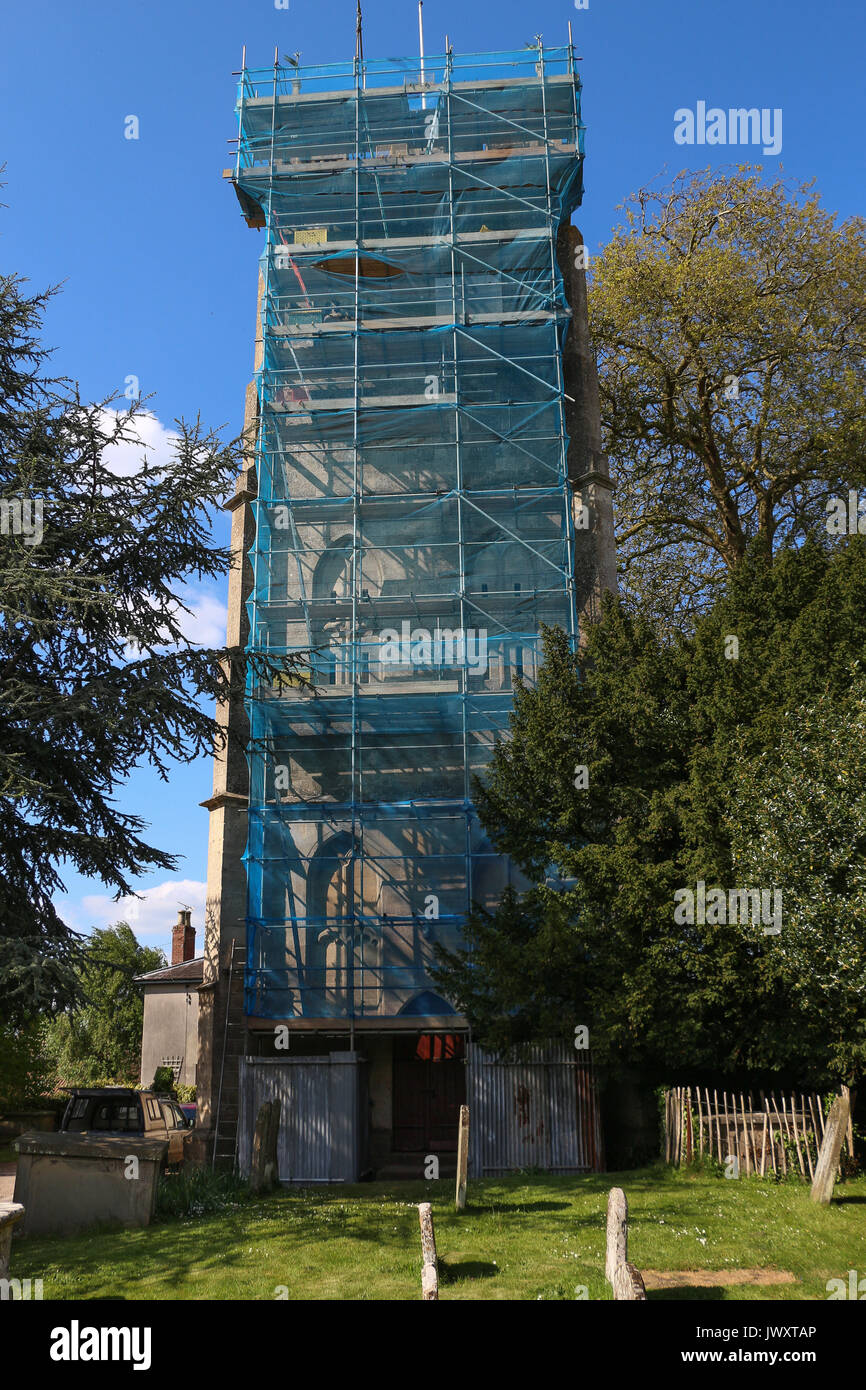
(798, 818)
(26, 1074)
(663, 726)
(799, 628)
(729, 318)
(593, 940)
(96, 672)
(102, 1039)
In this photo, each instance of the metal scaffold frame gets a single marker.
(413, 521)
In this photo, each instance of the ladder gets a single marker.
(225, 1126)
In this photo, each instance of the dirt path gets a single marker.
(712, 1278)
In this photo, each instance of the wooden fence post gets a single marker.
(783, 1151)
(690, 1147)
(617, 1233)
(462, 1157)
(429, 1261)
(828, 1159)
(670, 1126)
(807, 1146)
(797, 1138)
(772, 1138)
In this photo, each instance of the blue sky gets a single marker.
(159, 270)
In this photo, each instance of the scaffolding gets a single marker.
(413, 520)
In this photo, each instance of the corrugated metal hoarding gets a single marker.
(319, 1138)
(539, 1110)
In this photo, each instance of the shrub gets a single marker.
(195, 1191)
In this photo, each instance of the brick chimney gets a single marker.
(182, 938)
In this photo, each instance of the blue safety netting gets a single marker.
(413, 525)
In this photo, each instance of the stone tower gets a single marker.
(426, 487)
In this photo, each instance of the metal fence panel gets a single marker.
(535, 1111)
(319, 1138)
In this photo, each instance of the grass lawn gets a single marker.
(524, 1237)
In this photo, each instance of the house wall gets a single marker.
(170, 1030)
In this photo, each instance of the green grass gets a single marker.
(524, 1237)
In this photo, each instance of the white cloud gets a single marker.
(205, 623)
(202, 621)
(149, 439)
(150, 916)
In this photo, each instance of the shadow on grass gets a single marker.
(493, 1208)
(245, 1247)
(459, 1271)
(172, 1249)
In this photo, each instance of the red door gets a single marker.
(429, 1089)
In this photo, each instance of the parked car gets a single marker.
(109, 1110)
(189, 1109)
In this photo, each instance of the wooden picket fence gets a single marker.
(780, 1133)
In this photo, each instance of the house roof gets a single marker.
(191, 971)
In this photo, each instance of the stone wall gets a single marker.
(66, 1183)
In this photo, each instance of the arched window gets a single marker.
(344, 952)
